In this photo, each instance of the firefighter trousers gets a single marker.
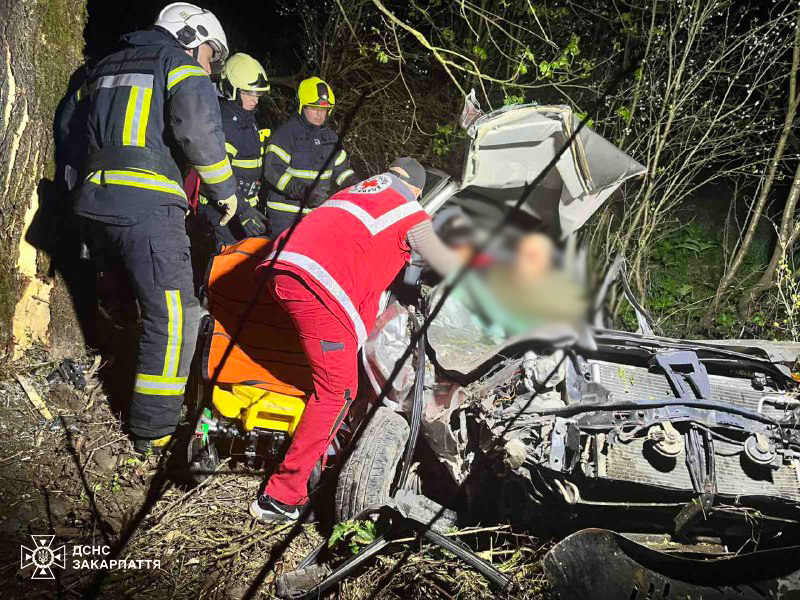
(332, 353)
(155, 256)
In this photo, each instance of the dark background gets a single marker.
(259, 28)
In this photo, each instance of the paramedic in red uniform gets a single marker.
(330, 285)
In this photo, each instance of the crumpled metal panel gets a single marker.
(512, 145)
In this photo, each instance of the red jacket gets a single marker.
(350, 249)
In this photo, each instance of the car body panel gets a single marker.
(511, 146)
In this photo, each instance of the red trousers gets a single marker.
(332, 352)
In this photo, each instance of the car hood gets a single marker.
(509, 147)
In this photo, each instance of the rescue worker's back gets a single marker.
(136, 93)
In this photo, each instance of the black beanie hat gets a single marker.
(416, 172)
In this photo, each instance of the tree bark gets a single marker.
(758, 210)
(786, 237)
(41, 45)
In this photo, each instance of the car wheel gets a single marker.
(368, 475)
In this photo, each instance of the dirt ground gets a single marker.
(75, 476)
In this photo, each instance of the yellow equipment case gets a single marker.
(253, 391)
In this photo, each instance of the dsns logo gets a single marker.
(42, 557)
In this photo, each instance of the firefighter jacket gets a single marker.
(245, 144)
(151, 105)
(350, 272)
(296, 155)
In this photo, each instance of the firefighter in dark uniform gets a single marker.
(243, 83)
(152, 104)
(297, 153)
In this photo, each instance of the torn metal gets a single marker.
(663, 436)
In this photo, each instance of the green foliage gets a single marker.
(624, 113)
(549, 69)
(629, 26)
(445, 138)
(380, 54)
(548, 12)
(513, 99)
(115, 483)
(527, 58)
(582, 116)
(441, 140)
(479, 52)
(355, 533)
(787, 283)
(682, 260)
(685, 267)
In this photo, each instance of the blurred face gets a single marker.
(250, 99)
(534, 257)
(315, 116)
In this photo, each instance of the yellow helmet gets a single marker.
(242, 72)
(315, 92)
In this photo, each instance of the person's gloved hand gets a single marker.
(253, 222)
(308, 194)
(318, 194)
(228, 207)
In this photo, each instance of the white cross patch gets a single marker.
(373, 185)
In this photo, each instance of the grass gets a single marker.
(684, 268)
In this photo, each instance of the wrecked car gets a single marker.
(697, 442)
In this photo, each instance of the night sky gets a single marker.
(257, 28)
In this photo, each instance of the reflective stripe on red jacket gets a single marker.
(350, 249)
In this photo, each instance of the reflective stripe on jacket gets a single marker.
(352, 247)
(150, 104)
(245, 148)
(295, 157)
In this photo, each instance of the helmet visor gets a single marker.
(218, 56)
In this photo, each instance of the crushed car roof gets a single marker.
(512, 145)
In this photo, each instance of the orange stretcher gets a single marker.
(265, 379)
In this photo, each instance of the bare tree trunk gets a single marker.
(786, 237)
(41, 44)
(758, 209)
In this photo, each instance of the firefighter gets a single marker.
(297, 153)
(242, 84)
(332, 298)
(153, 104)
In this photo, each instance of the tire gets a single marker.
(367, 476)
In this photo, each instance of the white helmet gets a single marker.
(193, 26)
